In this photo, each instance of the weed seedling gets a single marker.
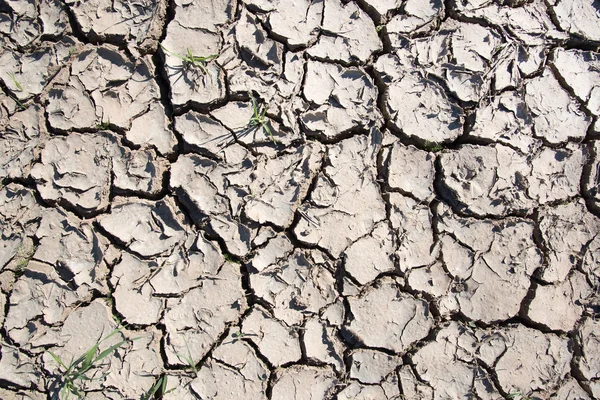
(189, 59)
(259, 119)
(433, 146)
(188, 359)
(103, 125)
(17, 101)
(15, 81)
(78, 369)
(230, 258)
(24, 255)
(158, 390)
(517, 395)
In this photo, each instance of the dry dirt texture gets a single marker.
(300, 199)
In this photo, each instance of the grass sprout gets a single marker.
(15, 81)
(259, 118)
(76, 373)
(230, 258)
(433, 147)
(188, 359)
(235, 336)
(158, 390)
(189, 59)
(24, 255)
(517, 395)
(103, 125)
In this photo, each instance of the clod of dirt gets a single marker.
(346, 197)
(20, 219)
(186, 266)
(506, 119)
(351, 34)
(344, 99)
(388, 390)
(544, 359)
(411, 171)
(417, 17)
(18, 369)
(139, 27)
(195, 321)
(498, 181)
(27, 74)
(589, 363)
(233, 371)
(133, 292)
(577, 17)
(449, 366)
(303, 382)
(152, 129)
(581, 72)
(146, 228)
(188, 81)
(323, 344)
(558, 306)
(566, 230)
(201, 133)
(74, 248)
(436, 120)
(275, 340)
(371, 255)
(372, 366)
(412, 224)
(385, 317)
(297, 22)
(296, 287)
(556, 116)
(531, 22)
(40, 294)
(490, 263)
(20, 141)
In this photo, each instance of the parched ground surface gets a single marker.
(408, 210)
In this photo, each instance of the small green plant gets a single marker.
(24, 255)
(158, 390)
(15, 81)
(240, 335)
(77, 371)
(433, 147)
(103, 125)
(230, 258)
(259, 119)
(188, 359)
(517, 395)
(189, 59)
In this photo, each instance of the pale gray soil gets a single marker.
(369, 199)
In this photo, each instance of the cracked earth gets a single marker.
(300, 199)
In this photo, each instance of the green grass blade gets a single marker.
(109, 351)
(89, 356)
(16, 82)
(163, 386)
(113, 333)
(58, 360)
(268, 129)
(172, 53)
(160, 385)
(254, 107)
